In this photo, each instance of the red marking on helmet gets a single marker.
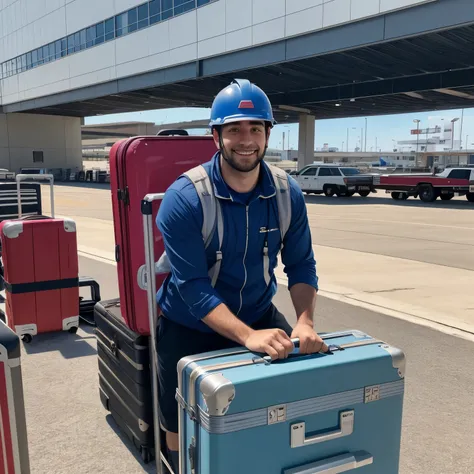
(246, 104)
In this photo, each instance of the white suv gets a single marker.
(334, 180)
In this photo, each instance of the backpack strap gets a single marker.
(283, 197)
(199, 177)
(212, 214)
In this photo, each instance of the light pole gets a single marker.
(452, 131)
(347, 144)
(365, 146)
(417, 139)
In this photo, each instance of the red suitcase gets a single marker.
(41, 271)
(14, 456)
(139, 166)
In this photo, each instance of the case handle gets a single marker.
(35, 177)
(296, 342)
(173, 131)
(298, 431)
(335, 465)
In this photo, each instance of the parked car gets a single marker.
(334, 180)
(428, 187)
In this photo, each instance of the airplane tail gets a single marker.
(382, 162)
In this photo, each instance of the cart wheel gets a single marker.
(27, 338)
(73, 330)
(145, 454)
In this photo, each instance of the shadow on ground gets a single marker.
(69, 345)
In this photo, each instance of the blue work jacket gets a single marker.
(250, 222)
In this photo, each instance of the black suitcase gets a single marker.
(124, 376)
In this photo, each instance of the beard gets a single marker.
(241, 163)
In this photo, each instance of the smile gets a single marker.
(245, 153)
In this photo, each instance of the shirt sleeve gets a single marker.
(297, 254)
(180, 223)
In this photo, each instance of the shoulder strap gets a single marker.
(212, 215)
(283, 197)
(202, 183)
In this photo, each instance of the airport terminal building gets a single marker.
(63, 60)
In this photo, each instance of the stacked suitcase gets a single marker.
(124, 376)
(41, 270)
(137, 166)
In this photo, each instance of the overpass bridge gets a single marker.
(314, 58)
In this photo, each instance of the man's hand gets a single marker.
(310, 342)
(274, 342)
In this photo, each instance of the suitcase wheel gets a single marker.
(73, 330)
(27, 338)
(145, 454)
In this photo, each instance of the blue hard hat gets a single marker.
(241, 100)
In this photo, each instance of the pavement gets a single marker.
(403, 295)
(70, 432)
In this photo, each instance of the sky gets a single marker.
(381, 130)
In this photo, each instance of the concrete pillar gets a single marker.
(306, 140)
(55, 140)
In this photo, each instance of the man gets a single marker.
(199, 316)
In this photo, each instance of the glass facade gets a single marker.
(135, 19)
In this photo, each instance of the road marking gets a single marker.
(96, 257)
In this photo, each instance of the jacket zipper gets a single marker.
(245, 256)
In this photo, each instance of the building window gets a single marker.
(143, 16)
(183, 6)
(38, 157)
(155, 11)
(121, 24)
(109, 29)
(134, 19)
(166, 9)
(99, 33)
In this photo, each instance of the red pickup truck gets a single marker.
(428, 187)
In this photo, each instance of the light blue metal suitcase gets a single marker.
(241, 413)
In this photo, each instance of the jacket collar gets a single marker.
(265, 187)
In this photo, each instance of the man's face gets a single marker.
(244, 144)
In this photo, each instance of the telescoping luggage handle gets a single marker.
(335, 464)
(35, 177)
(147, 212)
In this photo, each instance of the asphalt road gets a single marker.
(438, 434)
(439, 232)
